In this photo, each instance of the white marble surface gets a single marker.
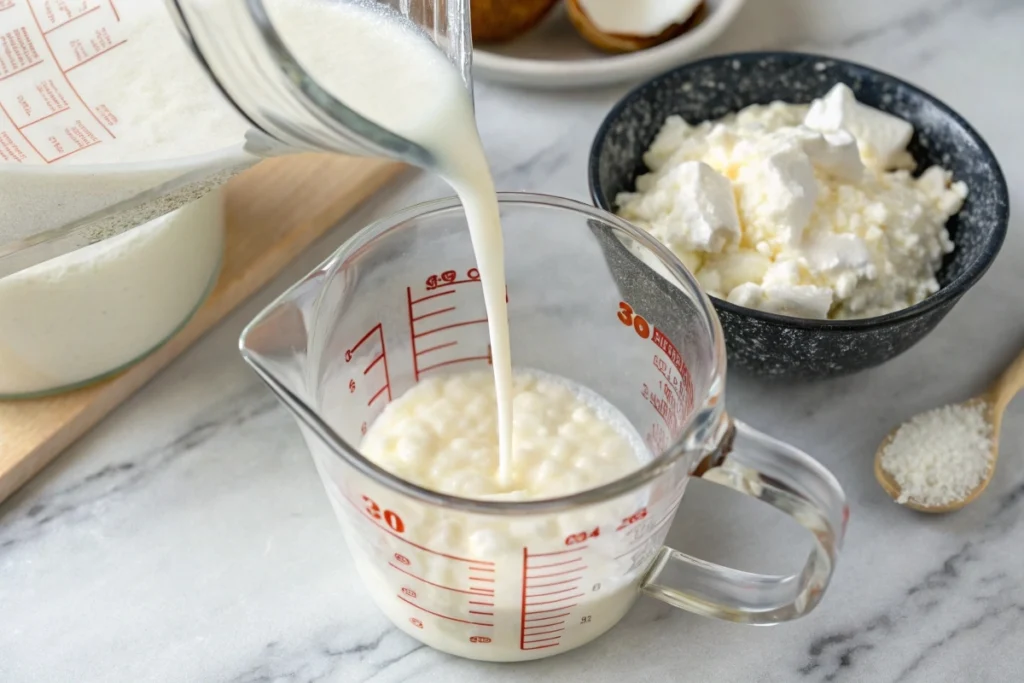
(188, 538)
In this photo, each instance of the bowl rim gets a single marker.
(946, 295)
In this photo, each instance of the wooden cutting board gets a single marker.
(274, 211)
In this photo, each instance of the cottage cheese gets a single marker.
(442, 435)
(826, 220)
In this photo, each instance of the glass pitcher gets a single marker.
(237, 44)
(507, 580)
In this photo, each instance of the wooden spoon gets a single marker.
(995, 399)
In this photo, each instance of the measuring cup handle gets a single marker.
(789, 480)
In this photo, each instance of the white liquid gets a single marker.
(394, 76)
(459, 434)
(81, 316)
(441, 434)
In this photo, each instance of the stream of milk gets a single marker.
(384, 69)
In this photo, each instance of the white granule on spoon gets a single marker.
(942, 455)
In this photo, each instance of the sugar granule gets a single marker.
(940, 456)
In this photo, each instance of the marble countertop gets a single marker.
(187, 538)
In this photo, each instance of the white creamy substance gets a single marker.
(639, 17)
(75, 318)
(442, 435)
(138, 94)
(798, 210)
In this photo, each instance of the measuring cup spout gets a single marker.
(780, 475)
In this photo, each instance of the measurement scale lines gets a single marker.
(71, 19)
(557, 583)
(544, 633)
(43, 118)
(430, 583)
(98, 54)
(382, 357)
(433, 313)
(435, 348)
(551, 589)
(372, 364)
(554, 574)
(539, 595)
(21, 70)
(450, 327)
(551, 602)
(430, 296)
(363, 515)
(553, 616)
(576, 549)
(453, 362)
(443, 616)
(416, 332)
(542, 640)
(556, 564)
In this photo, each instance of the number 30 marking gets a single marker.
(638, 322)
(389, 517)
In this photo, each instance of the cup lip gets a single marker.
(704, 412)
(947, 295)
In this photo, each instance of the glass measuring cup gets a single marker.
(506, 580)
(46, 117)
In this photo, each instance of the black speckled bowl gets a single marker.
(797, 348)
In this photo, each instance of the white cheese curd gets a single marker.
(442, 435)
(823, 228)
(881, 137)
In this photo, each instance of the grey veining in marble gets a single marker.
(187, 538)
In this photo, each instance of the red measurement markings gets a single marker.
(71, 19)
(6, 4)
(365, 515)
(94, 56)
(443, 616)
(655, 529)
(431, 583)
(43, 118)
(630, 318)
(20, 71)
(450, 277)
(71, 86)
(438, 282)
(551, 588)
(24, 137)
(665, 403)
(564, 590)
(665, 344)
(382, 357)
(113, 8)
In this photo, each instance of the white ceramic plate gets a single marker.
(553, 55)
